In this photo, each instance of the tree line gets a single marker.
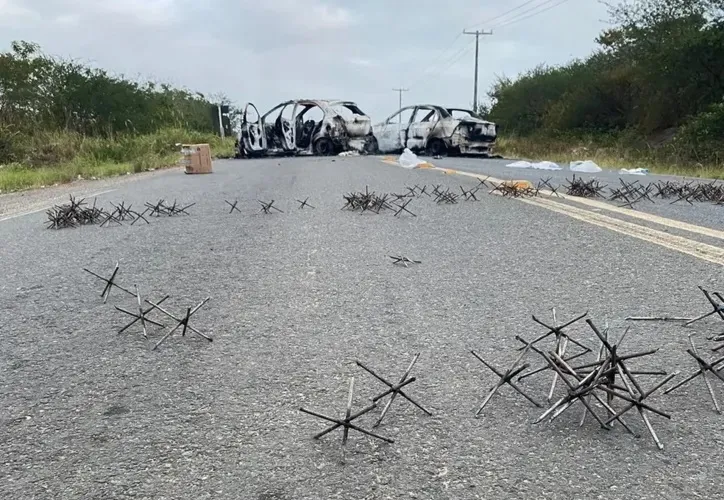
(657, 72)
(42, 93)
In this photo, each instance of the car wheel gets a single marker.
(324, 147)
(436, 147)
(372, 147)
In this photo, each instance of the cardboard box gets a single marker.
(197, 158)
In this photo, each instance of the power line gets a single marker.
(440, 55)
(439, 58)
(455, 58)
(523, 18)
(525, 12)
(453, 61)
(488, 21)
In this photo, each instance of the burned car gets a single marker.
(305, 126)
(436, 130)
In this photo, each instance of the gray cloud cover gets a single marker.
(268, 51)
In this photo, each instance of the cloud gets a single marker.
(308, 16)
(145, 12)
(272, 50)
(11, 11)
(67, 19)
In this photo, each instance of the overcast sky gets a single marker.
(267, 51)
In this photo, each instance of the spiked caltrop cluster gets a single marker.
(77, 213)
(591, 188)
(370, 202)
(715, 301)
(631, 193)
(516, 189)
(73, 214)
(141, 315)
(445, 196)
(689, 192)
(607, 388)
(162, 208)
(390, 394)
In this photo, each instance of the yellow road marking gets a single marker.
(703, 251)
(709, 253)
(656, 219)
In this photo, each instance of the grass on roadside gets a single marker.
(57, 158)
(607, 153)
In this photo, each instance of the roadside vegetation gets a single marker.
(651, 96)
(61, 120)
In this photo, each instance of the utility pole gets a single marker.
(477, 34)
(221, 121)
(400, 90)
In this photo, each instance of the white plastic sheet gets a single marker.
(408, 159)
(634, 171)
(547, 165)
(520, 164)
(587, 166)
(541, 165)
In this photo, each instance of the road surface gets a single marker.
(297, 297)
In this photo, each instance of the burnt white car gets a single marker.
(436, 130)
(305, 126)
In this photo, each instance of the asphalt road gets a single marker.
(296, 298)
(706, 214)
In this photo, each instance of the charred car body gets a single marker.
(305, 126)
(436, 130)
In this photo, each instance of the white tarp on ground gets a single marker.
(408, 159)
(587, 166)
(520, 164)
(542, 165)
(634, 171)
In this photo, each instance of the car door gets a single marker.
(253, 136)
(391, 134)
(285, 127)
(424, 121)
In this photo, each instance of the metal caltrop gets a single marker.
(505, 378)
(267, 207)
(394, 390)
(110, 283)
(404, 261)
(705, 369)
(182, 323)
(346, 422)
(141, 315)
(608, 376)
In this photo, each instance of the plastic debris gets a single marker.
(547, 165)
(634, 171)
(541, 165)
(408, 159)
(585, 166)
(349, 153)
(520, 164)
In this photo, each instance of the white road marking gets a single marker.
(22, 214)
(709, 253)
(656, 219)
